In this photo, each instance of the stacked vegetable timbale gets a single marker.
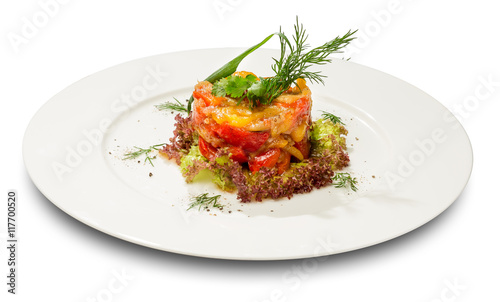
(271, 150)
(270, 135)
(255, 134)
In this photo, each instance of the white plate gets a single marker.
(411, 156)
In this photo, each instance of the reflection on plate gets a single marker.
(411, 156)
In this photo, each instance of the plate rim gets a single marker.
(46, 194)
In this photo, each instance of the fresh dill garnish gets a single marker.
(294, 63)
(145, 151)
(335, 119)
(203, 200)
(168, 106)
(344, 180)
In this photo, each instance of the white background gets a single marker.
(443, 47)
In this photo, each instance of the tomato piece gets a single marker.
(203, 91)
(206, 149)
(237, 154)
(304, 146)
(267, 159)
(283, 162)
(207, 97)
(247, 140)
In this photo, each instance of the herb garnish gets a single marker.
(335, 119)
(140, 151)
(294, 63)
(229, 68)
(168, 106)
(234, 86)
(344, 180)
(203, 200)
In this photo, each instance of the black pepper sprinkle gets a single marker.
(150, 174)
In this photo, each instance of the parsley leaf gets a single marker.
(219, 87)
(234, 86)
(257, 89)
(237, 86)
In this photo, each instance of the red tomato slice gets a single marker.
(266, 159)
(237, 154)
(247, 140)
(204, 91)
(206, 149)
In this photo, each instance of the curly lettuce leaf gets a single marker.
(322, 130)
(194, 163)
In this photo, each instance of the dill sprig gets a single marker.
(141, 151)
(328, 116)
(295, 62)
(344, 180)
(203, 200)
(168, 106)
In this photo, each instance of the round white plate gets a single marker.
(411, 157)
